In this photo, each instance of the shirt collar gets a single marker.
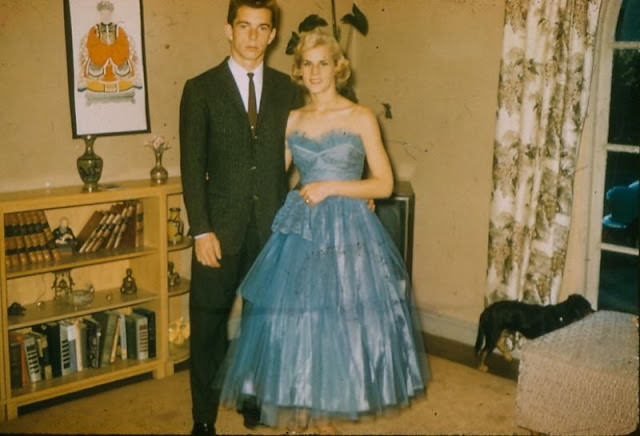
(239, 71)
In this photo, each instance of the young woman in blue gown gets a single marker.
(328, 330)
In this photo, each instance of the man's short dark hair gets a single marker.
(272, 5)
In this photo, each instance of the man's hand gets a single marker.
(208, 251)
(371, 204)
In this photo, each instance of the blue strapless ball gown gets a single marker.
(327, 325)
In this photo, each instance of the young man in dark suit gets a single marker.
(232, 132)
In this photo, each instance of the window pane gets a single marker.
(620, 209)
(628, 27)
(624, 112)
(618, 288)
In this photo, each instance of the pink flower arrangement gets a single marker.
(157, 143)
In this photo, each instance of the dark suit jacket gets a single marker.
(226, 174)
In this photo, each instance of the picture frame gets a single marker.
(106, 67)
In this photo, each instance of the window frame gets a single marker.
(606, 45)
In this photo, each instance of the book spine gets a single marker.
(65, 351)
(142, 338)
(123, 337)
(94, 342)
(116, 340)
(33, 363)
(29, 256)
(47, 238)
(37, 237)
(126, 222)
(151, 323)
(103, 233)
(131, 331)
(11, 249)
(43, 355)
(139, 240)
(15, 362)
(81, 335)
(108, 324)
(52, 332)
(92, 232)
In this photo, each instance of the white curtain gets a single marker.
(545, 74)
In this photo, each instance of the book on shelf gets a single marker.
(18, 242)
(108, 321)
(94, 342)
(74, 351)
(101, 231)
(151, 322)
(43, 355)
(102, 240)
(31, 354)
(18, 362)
(122, 351)
(137, 336)
(15, 362)
(88, 232)
(127, 222)
(81, 342)
(26, 239)
(25, 235)
(59, 351)
(132, 233)
(116, 339)
(67, 354)
(118, 226)
(39, 240)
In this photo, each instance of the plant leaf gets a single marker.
(293, 41)
(358, 20)
(311, 22)
(387, 110)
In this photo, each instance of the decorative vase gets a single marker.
(158, 173)
(89, 165)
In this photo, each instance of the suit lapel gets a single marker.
(268, 95)
(230, 87)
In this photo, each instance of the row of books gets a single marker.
(59, 348)
(28, 239)
(121, 225)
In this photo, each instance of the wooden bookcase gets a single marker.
(31, 284)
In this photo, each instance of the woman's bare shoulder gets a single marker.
(363, 116)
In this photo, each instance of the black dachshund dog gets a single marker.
(531, 320)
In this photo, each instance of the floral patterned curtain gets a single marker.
(545, 73)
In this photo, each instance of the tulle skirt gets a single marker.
(328, 327)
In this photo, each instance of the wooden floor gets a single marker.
(434, 345)
(465, 355)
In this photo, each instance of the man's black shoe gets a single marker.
(251, 418)
(203, 429)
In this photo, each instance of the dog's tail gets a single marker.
(480, 338)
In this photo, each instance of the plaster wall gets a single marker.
(435, 62)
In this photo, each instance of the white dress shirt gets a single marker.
(242, 81)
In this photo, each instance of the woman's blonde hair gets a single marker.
(316, 38)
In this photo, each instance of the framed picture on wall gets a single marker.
(106, 67)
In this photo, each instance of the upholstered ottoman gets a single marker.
(581, 379)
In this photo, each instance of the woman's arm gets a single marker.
(379, 183)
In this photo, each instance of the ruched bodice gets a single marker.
(334, 155)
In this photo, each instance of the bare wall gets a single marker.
(435, 62)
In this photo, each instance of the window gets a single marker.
(612, 270)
